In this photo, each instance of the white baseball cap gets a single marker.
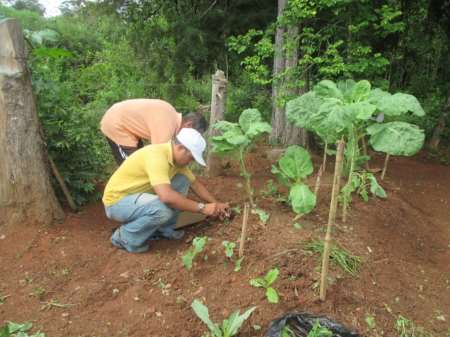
(194, 142)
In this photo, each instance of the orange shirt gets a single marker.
(151, 119)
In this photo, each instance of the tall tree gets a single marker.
(25, 189)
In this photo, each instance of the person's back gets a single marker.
(151, 119)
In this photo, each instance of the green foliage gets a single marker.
(319, 331)
(229, 248)
(198, 245)
(238, 137)
(407, 328)
(292, 169)
(339, 256)
(12, 329)
(229, 327)
(266, 283)
(262, 215)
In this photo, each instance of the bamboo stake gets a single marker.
(331, 219)
(386, 160)
(244, 230)
(321, 170)
(61, 182)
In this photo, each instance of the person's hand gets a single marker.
(210, 209)
(223, 210)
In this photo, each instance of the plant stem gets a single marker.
(364, 146)
(353, 143)
(386, 160)
(331, 218)
(247, 177)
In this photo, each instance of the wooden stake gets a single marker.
(331, 219)
(321, 170)
(386, 160)
(244, 231)
(61, 182)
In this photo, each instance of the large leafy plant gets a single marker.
(353, 110)
(228, 328)
(238, 137)
(292, 169)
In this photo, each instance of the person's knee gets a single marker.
(162, 215)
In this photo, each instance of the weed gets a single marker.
(319, 331)
(38, 292)
(12, 329)
(407, 328)
(347, 262)
(54, 303)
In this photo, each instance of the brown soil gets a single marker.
(403, 241)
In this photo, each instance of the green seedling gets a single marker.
(12, 329)
(407, 328)
(339, 256)
(237, 264)
(38, 292)
(229, 248)
(263, 215)
(238, 138)
(266, 283)
(370, 320)
(287, 332)
(198, 245)
(319, 331)
(291, 170)
(229, 327)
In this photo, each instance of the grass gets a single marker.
(407, 328)
(339, 256)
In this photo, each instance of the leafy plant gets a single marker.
(266, 283)
(262, 214)
(339, 256)
(228, 328)
(272, 192)
(291, 170)
(354, 110)
(229, 248)
(407, 328)
(198, 244)
(12, 329)
(238, 137)
(319, 331)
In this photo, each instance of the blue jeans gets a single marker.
(144, 216)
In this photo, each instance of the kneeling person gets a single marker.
(149, 189)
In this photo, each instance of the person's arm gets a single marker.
(176, 200)
(205, 195)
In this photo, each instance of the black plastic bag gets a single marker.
(301, 323)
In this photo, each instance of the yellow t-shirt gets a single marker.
(150, 166)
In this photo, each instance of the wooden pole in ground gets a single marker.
(63, 185)
(218, 100)
(244, 230)
(321, 170)
(331, 219)
(386, 160)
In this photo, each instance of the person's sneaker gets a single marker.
(117, 241)
(171, 234)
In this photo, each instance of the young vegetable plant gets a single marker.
(353, 110)
(229, 327)
(238, 138)
(291, 170)
(12, 329)
(319, 331)
(198, 244)
(229, 252)
(266, 283)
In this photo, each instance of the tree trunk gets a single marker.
(218, 100)
(278, 120)
(26, 194)
(285, 62)
(440, 127)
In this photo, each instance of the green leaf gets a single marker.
(361, 91)
(346, 87)
(301, 110)
(399, 104)
(295, 163)
(257, 129)
(396, 138)
(4, 331)
(360, 110)
(377, 95)
(187, 259)
(258, 282)
(302, 199)
(328, 89)
(202, 312)
(333, 118)
(236, 320)
(199, 243)
(263, 215)
(272, 295)
(375, 188)
(229, 248)
(249, 117)
(271, 276)
(19, 327)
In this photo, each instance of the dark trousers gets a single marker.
(121, 152)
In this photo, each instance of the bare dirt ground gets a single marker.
(70, 281)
